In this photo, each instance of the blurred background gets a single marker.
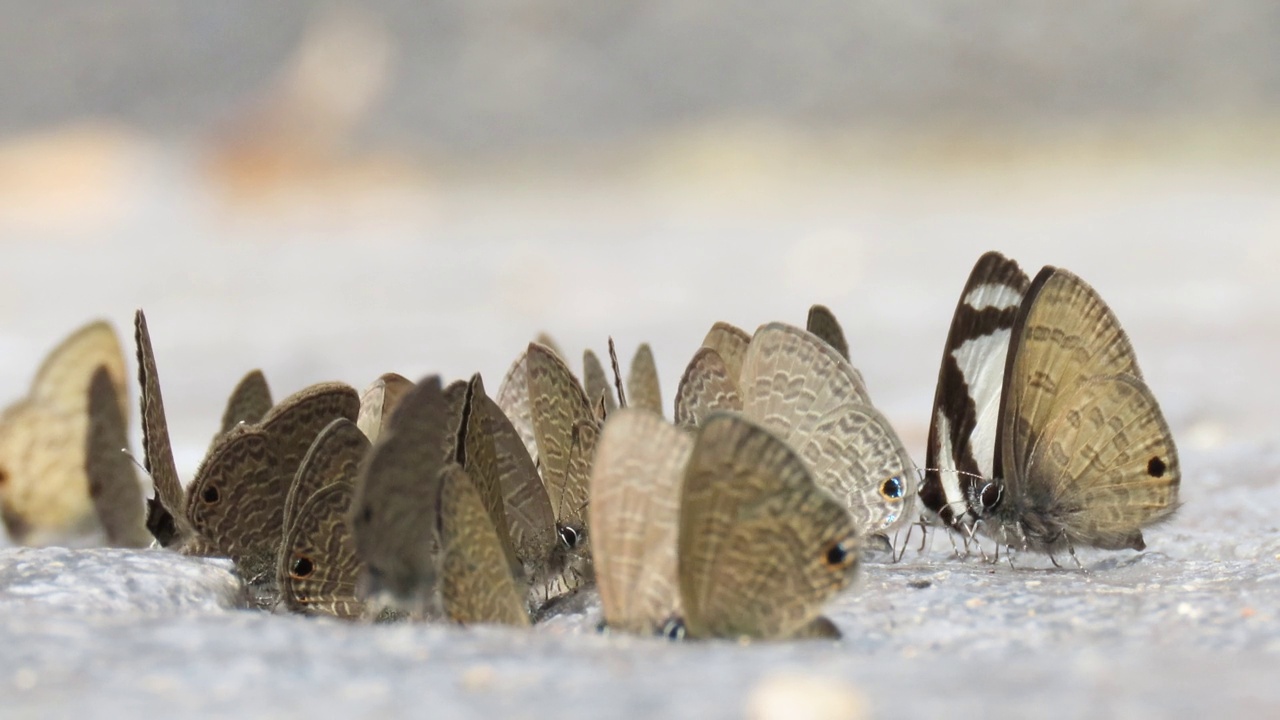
(333, 191)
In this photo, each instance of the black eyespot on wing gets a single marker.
(892, 488)
(210, 494)
(4, 476)
(1156, 467)
(367, 515)
(302, 567)
(837, 554)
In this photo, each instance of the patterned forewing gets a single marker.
(476, 584)
(113, 484)
(294, 424)
(1064, 335)
(852, 452)
(334, 458)
(791, 379)
(559, 404)
(730, 343)
(705, 387)
(165, 518)
(481, 464)
(634, 514)
(761, 547)
(318, 568)
(237, 497)
(643, 390)
(513, 398)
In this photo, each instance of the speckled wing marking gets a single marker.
(559, 406)
(596, 382)
(475, 584)
(822, 322)
(513, 398)
(799, 387)
(317, 568)
(634, 514)
(642, 381)
(705, 387)
(730, 343)
(165, 510)
(44, 492)
(966, 405)
(378, 401)
(761, 547)
(238, 495)
(113, 484)
(394, 514)
(1086, 456)
(250, 401)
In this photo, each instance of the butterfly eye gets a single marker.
(569, 537)
(210, 494)
(892, 488)
(302, 567)
(1156, 467)
(673, 629)
(838, 555)
(990, 496)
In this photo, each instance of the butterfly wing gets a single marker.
(1086, 455)
(635, 500)
(113, 484)
(44, 491)
(854, 454)
(236, 502)
(394, 513)
(479, 458)
(513, 398)
(962, 429)
(250, 401)
(705, 387)
(560, 410)
(730, 343)
(165, 511)
(378, 401)
(317, 567)
(761, 547)
(822, 322)
(642, 381)
(476, 585)
(596, 383)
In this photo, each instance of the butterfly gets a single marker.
(45, 491)
(723, 534)
(801, 388)
(234, 506)
(1070, 448)
(393, 512)
(316, 567)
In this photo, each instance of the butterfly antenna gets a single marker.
(137, 464)
(617, 373)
